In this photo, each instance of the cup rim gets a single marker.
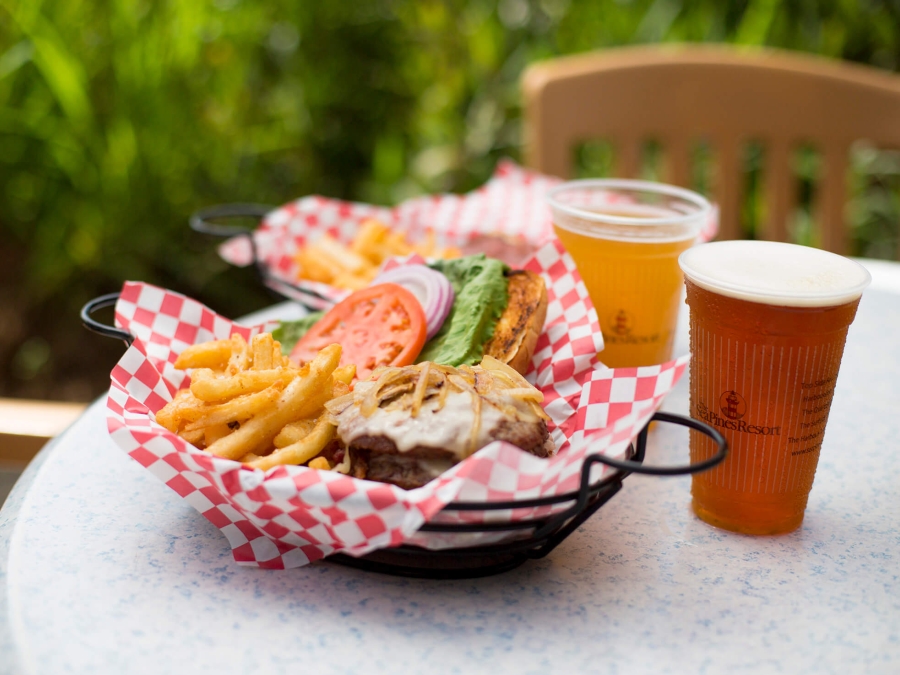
(704, 207)
(777, 297)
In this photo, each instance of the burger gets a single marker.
(407, 425)
(407, 422)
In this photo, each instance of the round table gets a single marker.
(103, 569)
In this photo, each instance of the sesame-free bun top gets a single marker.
(775, 273)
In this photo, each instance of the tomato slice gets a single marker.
(382, 325)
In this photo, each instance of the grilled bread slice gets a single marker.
(517, 331)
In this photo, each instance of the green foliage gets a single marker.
(118, 118)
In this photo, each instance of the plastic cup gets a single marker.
(625, 237)
(768, 323)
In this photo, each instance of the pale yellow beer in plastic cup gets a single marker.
(768, 324)
(625, 237)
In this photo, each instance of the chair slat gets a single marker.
(728, 179)
(831, 198)
(779, 189)
(678, 164)
(628, 157)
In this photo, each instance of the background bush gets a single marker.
(118, 119)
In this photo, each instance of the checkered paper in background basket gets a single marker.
(511, 203)
(291, 515)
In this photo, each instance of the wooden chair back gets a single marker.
(677, 95)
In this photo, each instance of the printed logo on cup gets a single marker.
(732, 405)
(621, 323)
(619, 330)
(733, 408)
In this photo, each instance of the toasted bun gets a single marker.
(517, 331)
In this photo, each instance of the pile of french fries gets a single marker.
(353, 267)
(249, 402)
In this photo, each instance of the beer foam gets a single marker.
(775, 273)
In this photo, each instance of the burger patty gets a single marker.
(378, 458)
(377, 445)
(405, 472)
(530, 437)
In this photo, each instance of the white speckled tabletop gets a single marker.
(103, 569)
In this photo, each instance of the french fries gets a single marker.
(328, 261)
(248, 402)
(302, 451)
(214, 354)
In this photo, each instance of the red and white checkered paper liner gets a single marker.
(512, 202)
(291, 515)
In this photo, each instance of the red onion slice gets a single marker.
(431, 288)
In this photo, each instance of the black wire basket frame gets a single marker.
(205, 220)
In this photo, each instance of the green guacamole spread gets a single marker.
(481, 296)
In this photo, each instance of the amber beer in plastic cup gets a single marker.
(768, 322)
(625, 237)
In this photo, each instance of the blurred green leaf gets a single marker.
(757, 22)
(15, 57)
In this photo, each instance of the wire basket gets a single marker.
(524, 539)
